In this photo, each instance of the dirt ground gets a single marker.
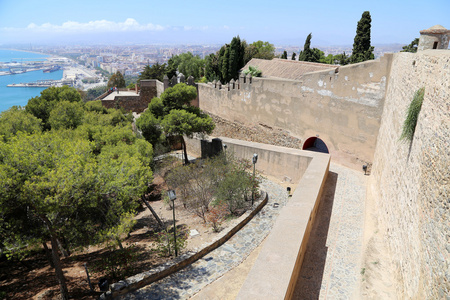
(33, 278)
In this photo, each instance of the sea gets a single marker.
(19, 96)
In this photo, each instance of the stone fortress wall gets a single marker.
(359, 110)
(411, 181)
(342, 105)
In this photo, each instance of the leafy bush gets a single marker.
(216, 216)
(117, 264)
(254, 71)
(412, 115)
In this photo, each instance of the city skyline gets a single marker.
(201, 22)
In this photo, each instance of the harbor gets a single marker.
(43, 83)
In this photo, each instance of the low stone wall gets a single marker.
(275, 272)
(286, 164)
(128, 103)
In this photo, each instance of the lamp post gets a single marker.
(173, 197)
(225, 150)
(255, 159)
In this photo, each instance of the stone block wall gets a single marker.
(411, 181)
(342, 106)
(149, 90)
(129, 103)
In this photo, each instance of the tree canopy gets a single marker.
(362, 50)
(310, 54)
(259, 49)
(411, 47)
(172, 115)
(116, 80)
(74, 182)
(155, 71)
(41, 106)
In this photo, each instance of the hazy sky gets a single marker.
(332, 22)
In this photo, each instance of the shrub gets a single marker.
(216, 216)
(117, 264)
(412, 115)
(165, 244)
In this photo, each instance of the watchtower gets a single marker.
(436, 37)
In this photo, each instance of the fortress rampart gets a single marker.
(359, 110)
(411, 181)
(342, 105)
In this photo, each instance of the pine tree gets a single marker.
(411, 47)
(362, 50)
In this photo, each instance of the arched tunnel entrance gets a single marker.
(315, 144)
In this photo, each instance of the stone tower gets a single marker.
(436, 37)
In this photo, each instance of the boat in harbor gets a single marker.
(52, 69)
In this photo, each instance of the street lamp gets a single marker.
(225, 149)
(255, 159)
(173, 197)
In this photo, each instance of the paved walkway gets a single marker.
(187, 282)
(331, 267)
(332, 264)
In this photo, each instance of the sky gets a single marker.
(331, 22)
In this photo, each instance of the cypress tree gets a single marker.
(284, 55)
(293, 56)
(362, 50)
(305, 55)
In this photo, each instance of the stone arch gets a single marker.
(315, 144)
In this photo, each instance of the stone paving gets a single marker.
(332, 264)
(187, 282)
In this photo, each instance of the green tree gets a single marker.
(212, 67)
(362, 50)
(16, 120)
(259, 49)
(284, 55)
(93, 93)
(180, 122)
(66, 115)
(411, 47)
(191, 65)
(293, 56)
(310, 54)
(173, 115)
(41, 106)
(53, 187)
(116, 80)
(155, 71)
(172, 66)
(150, 128)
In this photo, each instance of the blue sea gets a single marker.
(10, 96)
